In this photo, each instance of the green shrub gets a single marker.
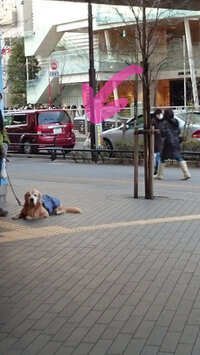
(123, 145)
(192, 145)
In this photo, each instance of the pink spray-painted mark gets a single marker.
(103, 111)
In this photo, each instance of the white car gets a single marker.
(79, 123)
(188, 122)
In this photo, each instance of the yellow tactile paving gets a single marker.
(19, 232)
(9, 225)
(28, 233)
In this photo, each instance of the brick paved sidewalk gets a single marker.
(122, 278)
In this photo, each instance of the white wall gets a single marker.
(10, 27)
(13, 29)
(72, 95)
(56, 12)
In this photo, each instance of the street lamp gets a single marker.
(92, 80)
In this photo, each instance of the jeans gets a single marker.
(156, 161)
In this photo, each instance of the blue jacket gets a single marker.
(50, 203)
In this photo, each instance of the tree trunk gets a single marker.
(146, 112)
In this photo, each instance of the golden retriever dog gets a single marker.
(38, 206)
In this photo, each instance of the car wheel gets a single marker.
(27, 148)
(108, 145)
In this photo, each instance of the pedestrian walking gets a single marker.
(171, 145)
(73, 112)
(157, 123)
(80, 110)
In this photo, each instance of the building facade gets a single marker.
(11, 26)
(57, 33)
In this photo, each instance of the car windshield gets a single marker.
(189, 117)
(53, 117)
(7, 119)
(130, 122)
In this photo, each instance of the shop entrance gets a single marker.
(177, 92)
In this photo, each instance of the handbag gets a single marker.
(3, 173)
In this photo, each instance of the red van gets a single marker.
(30, 130)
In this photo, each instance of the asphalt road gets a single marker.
(40, 171)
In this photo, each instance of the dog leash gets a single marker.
(18, 201)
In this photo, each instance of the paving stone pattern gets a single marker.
(127, 289)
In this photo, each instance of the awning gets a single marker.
(168, 4)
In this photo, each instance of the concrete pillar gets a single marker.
(116, 97)
(108, 45)
(28, 16)
(191, 63)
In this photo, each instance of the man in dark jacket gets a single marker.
(171, 145)
(157, 123)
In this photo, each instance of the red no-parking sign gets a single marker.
(54, 65)
(54, 69)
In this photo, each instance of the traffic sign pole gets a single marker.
(52, 73)
(49, 93)
(49, 88)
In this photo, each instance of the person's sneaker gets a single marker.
(3, 213)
